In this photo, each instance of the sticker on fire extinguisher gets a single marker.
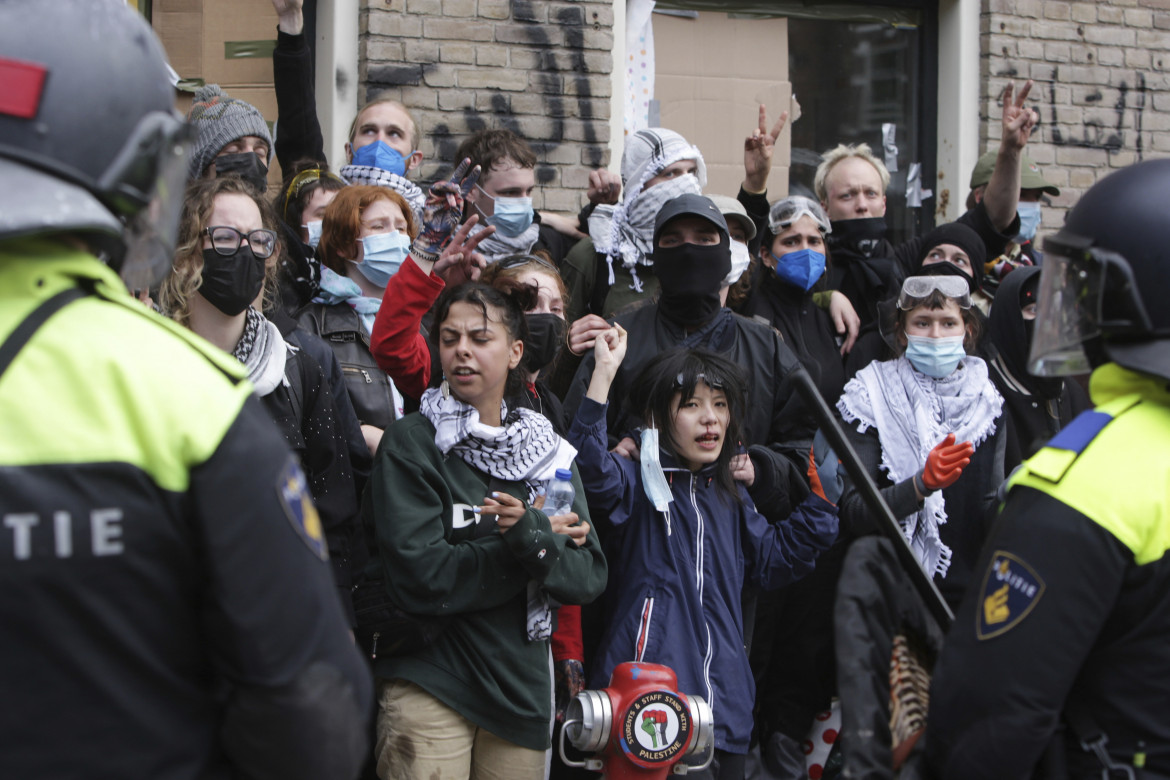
(656, 727)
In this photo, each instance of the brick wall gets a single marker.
(1101, 85)
(539, 68)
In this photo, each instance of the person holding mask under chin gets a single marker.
(928, 426)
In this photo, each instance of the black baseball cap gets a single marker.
(698, 205)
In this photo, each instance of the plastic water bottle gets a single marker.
(558, 498)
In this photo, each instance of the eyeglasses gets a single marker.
(916, 288)
(226, 241)
(516, 261)
(785, 212)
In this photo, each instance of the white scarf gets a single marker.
(626, 231)
(526, 448)
(912, 413)
(497, 246)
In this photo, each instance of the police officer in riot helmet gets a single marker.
(1059, 658)
(167, 603)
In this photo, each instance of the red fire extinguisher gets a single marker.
(641, 726)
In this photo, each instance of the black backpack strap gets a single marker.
(32, 323)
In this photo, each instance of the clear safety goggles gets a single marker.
(1075, 280)
(784, 212)
(917, 289)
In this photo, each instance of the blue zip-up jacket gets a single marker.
(675, 577)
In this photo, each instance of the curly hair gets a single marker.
(186, 273)
(342, 223)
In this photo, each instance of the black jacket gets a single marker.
(867, 268)
(806, 328)
(162, 573)
(341, 328)
(970, 503)
(776, 416)
(305, 414)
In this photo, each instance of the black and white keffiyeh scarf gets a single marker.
(263, 351)
(626, 231)
(368, 174)
(525, 449)
(912, 413)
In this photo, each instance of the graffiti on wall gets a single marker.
(1095, 132)
(561, 79)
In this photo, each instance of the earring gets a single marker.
(445, 389)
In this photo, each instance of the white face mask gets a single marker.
(740, 257)
(653, 480)
(314, 229)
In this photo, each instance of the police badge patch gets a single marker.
(293, 491)
(1011, 588)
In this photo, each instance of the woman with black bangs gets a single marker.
(683, 537)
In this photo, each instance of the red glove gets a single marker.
(946, 462)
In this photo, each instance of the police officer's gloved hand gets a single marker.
(945, 464)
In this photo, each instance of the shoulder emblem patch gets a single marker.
(293, 491)
(1011, 588)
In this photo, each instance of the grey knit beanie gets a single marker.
(218, 120)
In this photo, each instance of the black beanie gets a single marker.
(964, 238)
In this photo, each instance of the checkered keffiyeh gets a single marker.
(525, 449)
(376, 177)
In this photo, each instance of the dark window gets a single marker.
(852, 77)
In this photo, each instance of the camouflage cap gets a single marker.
(1030, 176)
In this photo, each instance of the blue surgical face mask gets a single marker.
(314, 229)
(935, 357)
(653, 480)
(383, 254)
(1029, 220)
(380, 154)
(800, 269)
(511, 216)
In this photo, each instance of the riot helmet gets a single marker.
(90, 142)
(1105, 279)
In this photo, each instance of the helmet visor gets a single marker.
(1079, 285)
(151, 232)
(784, 212)
(1068, 312)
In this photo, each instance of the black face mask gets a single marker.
(546, 333)
(247, 166)
(231, 283)
(689, 278)
(864, 234)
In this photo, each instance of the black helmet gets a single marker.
(1106, 279)
(89, 136)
